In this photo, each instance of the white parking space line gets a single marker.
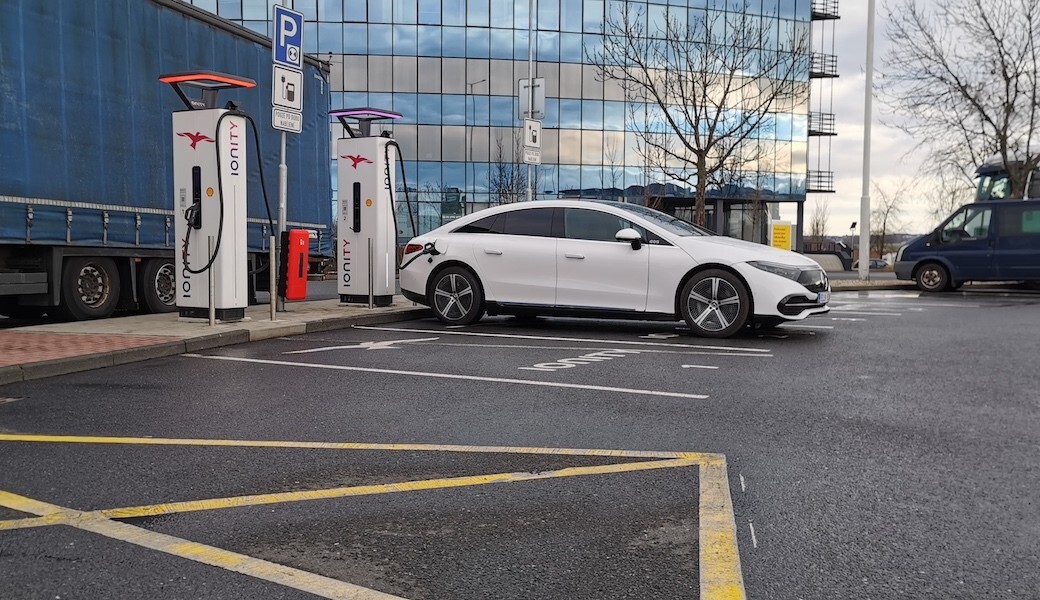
(797, 326)
(699, 367)
(904, 304)
(578, 348)
(562, 339)
(867, 313)
(531, 382)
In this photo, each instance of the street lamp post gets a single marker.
(469, 131)
(864, 203)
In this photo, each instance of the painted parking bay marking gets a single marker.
(565, 339)
(598, 388)
(319, 585)
(719, 557)
(384, 345)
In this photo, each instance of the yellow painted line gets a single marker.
(319, 585)
(153, 441)
(152, 510)
(720, 573)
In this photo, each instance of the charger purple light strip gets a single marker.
(364, 113)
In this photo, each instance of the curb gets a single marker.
(75, 364)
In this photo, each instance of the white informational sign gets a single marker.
(287, 89)
(532, 156)
(532, 133)
(287, 120)
(524, 94)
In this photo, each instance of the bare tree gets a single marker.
(950, 193)
(963, 75)
(818, 221)
(709, 85)
(507, 178)
(613, 160)
(884, 217)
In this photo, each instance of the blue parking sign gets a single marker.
(288, 37)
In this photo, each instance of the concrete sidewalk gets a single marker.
(41, 351)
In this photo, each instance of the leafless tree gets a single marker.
(885, 215)
(949, 193)
(963, 76)
(818, 221)
(613, 160)
(708, 83)
(507, 178)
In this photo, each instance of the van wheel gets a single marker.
(89, 288)
(932, 277)
(157, 285)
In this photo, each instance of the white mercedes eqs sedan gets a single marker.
(606, 260)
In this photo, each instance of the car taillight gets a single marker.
(412, 248)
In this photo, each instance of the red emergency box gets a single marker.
(292, 274)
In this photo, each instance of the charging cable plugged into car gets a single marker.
(429, 248)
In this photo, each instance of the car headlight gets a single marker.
(787, 271)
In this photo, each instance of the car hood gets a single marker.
(727, 250)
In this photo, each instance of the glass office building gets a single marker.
(452, 67)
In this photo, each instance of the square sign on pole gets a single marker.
(288, 38)
(524, 93)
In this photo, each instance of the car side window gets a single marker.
(968, 224)
(485, 225)
(527, 221)
(581, 224)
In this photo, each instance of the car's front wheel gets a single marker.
(456, 296)
(715, 303)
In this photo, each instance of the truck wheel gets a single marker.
(89, 288)
(932, 277)
(157, 285)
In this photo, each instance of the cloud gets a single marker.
(892, 163)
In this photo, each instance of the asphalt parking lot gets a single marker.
(885, 450)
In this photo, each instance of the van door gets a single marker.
(967, 242)
(1018, 241)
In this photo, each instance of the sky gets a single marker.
(891, 166)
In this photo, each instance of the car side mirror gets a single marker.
(631, 236)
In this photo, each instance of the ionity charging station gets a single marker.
(210, 192)
(367, 227)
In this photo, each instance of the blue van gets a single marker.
(997, 240)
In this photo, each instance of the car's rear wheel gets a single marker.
(456, 296)
(715, 303)
(932, 277)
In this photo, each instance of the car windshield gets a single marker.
(671, 224)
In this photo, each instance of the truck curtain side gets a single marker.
(86, 206)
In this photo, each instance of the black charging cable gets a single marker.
(191, 212)
(407, 197)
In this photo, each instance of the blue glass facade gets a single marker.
(451, 67)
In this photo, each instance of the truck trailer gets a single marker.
(86, 183)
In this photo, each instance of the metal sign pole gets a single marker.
(283, 189)
(530, 85)
(272, 277)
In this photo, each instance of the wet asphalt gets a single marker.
(890, 449)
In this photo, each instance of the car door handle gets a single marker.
(490, 251)
(578, 256)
